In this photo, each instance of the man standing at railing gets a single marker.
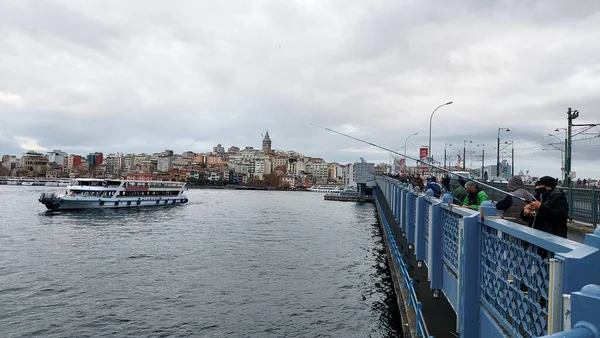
(511, 207)
(475, 196)
(551, 210)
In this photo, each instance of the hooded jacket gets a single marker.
(458, 191)
(510, 206)
(434, 186)
(552, 215)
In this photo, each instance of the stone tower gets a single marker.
(266, 144)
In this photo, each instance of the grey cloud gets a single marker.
(147, 75)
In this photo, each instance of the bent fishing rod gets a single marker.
(419, 161)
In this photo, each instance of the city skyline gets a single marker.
(81, 77)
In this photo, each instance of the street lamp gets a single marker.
(431, 117)
(561, 151)
(405, 144)
(512, 161)
(482, 158)
(498, 152)
(465, 153)
(446, 144)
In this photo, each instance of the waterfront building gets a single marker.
(9, 162)
(95, 159)
(164, 164)
(34, 162)
(349, 175)
(59, 157)
(318, 170)
(219, 149)
(73, 161)
(128, 162)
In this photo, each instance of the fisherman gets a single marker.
(551, 210)
(511, 207)
(434, 186)
(475, 196)
(446, 183)
(458, 192)
(418, 182)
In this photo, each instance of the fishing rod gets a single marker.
(419, 161)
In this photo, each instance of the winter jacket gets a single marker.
(436, 188)
(458, 191)
(511, 206)
(552, 215)
(475, 202)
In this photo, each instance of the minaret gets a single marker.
(266, 144)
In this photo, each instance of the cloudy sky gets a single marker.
(142, 76)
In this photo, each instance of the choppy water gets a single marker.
(228, 264)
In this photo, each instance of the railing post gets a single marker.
(595, 205)
(584, 313)
(468, 277)
(435, 245)
(420, 235)
(406, 209)
(410, 224)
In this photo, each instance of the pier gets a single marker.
(463, 273)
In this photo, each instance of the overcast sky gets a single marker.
(142, 76)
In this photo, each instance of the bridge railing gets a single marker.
(497, 275)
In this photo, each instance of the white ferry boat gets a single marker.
(89, 193)
(325, 188)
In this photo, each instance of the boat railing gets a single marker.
(47, 195)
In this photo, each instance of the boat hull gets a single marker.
(74, 203)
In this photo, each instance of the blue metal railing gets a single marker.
(408, 282)
(496, 274)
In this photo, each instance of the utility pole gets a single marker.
(482, 159)
(512, 166)
(571, 115)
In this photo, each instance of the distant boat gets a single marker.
(325, 188)
(89, 193)
(32, 183)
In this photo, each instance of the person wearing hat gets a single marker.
(550, 211)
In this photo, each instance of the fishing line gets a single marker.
(419, 161)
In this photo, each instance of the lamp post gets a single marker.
(562, 163)
(498, 152)
(405, 144)
(512, 160)
(465, 153)
(406, 140)
(564, 159)
(446, 144)
(482, 158)
(430, 118)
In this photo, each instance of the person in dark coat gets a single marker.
(551, 210)
(511, 207)
(446, 183)
(458, 191)
(462, 181)
(418, 182)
